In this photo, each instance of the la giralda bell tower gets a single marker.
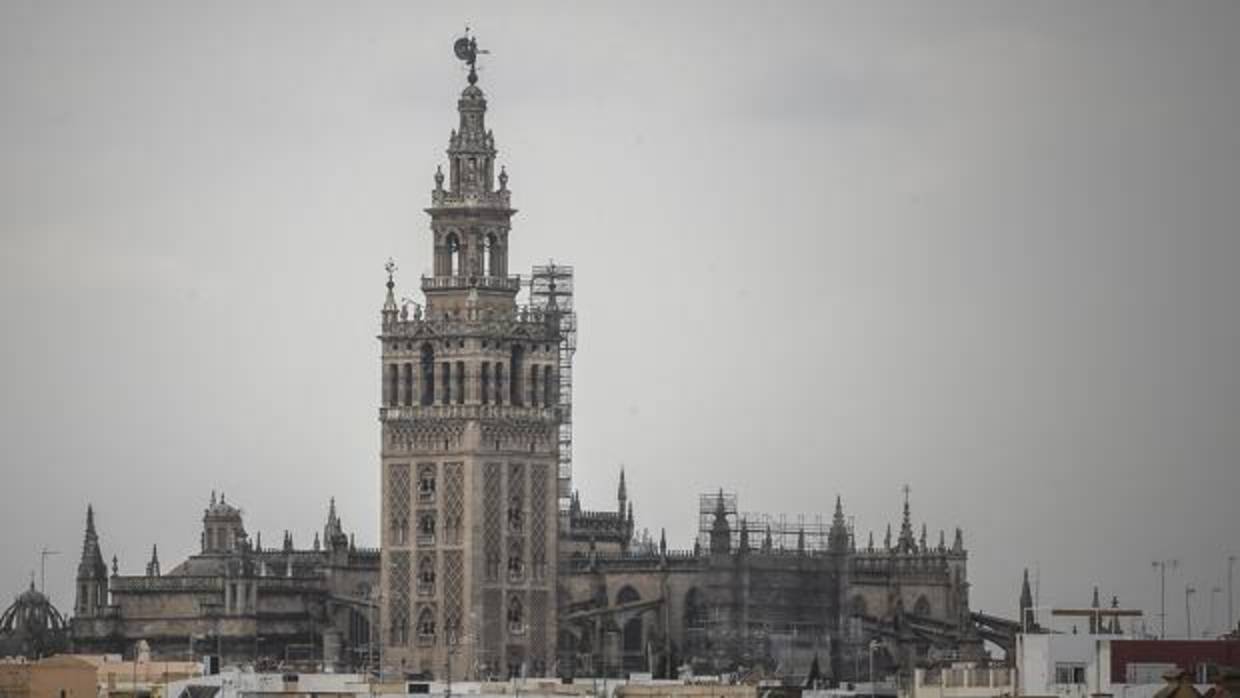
(469, 437)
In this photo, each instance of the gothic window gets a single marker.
(426, 482)
(516, 616)
(426, 528)
(426, 575)
(407, 385)
(631, 640)
(548, 388)
(453, 244)
(535, 384)
(445, 370)
(491, 256)
(516, 561)
(392, 385)
(627, 595)
(426, 625)
(634, 655)
(514, 513)
(515, 363)
(428, 374)
(460, 382)
(695, 612)
(922, 607)
(499, 383)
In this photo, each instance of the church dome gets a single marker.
(32, 626)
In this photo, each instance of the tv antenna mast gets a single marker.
(43, 555)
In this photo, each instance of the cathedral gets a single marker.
(492, 568)
(489, 566)
(234, 599)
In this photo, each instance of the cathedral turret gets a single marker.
(1026, 604)
(838, 536)
(333, 531)
(92, 576)
(906, 544)
(152, 567)
(223, 531)
(1094, 625)
(622, 493)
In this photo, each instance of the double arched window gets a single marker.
(452, 245)
(516, 616)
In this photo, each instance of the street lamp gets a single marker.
(1214, 592)
(1231, 619)
(1188, 610)
(873, 648)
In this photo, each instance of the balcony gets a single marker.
(511, 284)
(409, 412)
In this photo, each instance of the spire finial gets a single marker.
(389, 303)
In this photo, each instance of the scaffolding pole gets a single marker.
(551, 290)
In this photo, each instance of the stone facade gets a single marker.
(737, 604)
(235, 598)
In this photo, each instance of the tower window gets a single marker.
(499, 382)
(518, 358)
(484, 380)
(393, 384)
(407, 387)
(548, 388)
(428, 374)
(516, 616)
(447, 383)
(460, 382)
(534, 386)
(494, 267)
(453, 244)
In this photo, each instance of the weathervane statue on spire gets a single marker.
(466, 49)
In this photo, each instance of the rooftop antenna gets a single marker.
(466, 49)
(43, 555)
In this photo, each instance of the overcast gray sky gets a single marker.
(985, 249)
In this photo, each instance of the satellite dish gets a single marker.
(464, 50)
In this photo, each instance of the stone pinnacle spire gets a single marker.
(1026, 601)
(838, 536)
(91, 565)
(622, 492)
(152, 567)
(907, 544)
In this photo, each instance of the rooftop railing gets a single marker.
(495, 283)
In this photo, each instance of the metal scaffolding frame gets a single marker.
(785, 529)
(551, 290)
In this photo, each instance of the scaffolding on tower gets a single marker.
(551, 290)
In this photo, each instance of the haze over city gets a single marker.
(987, 251)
